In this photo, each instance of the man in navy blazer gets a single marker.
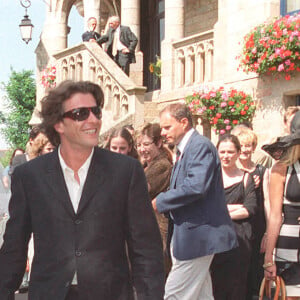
(196, 205)
(94, 230)
(121, 43)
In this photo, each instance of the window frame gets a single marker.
(283, 9)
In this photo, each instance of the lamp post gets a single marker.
(26, 26)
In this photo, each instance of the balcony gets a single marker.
(193, 61)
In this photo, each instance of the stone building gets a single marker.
(198, 42)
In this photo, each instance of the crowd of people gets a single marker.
(223, 220)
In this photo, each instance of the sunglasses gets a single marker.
(82, 113)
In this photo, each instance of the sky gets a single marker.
(14, 52)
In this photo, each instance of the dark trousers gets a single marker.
(72, 293)
(229, 272)
(123, 61)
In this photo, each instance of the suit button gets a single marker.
(78, 253)
(77, 222)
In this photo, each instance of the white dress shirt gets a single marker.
(120, 46)
(184, 141)
(74, 187)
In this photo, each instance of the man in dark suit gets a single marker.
(121, 43)
(95, 234)
(91, 34)
(196, 204)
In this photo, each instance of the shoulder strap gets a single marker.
(245, 178)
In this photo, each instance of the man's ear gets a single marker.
(185, 123)
(59, 127)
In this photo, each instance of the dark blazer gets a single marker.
(127, 37)
(196, 203)
(114, 211)
(86, 36)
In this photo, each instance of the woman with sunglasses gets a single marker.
(157, 162)
(283, 233)
(121, 141)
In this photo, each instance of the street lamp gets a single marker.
(26, 26)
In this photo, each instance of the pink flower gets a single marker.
(228, 127)
(200, 110)
(277, 51)
(226, 121)
(254, 50)
(223, 104)
(287, 62)
(224, 96)
(280, 68)
(232, 110)
(222, 131)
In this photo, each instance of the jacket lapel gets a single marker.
(56, 182)
(94, 180)
(178, 164)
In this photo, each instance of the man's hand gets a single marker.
(154, 204)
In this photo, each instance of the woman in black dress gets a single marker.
(260, 174)
(229, 269)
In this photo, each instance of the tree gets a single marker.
(20, 103)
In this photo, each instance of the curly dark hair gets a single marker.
(52, 104)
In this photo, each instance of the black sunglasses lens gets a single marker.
(97, 112)
(82, 113)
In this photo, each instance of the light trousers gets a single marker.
(189, 279)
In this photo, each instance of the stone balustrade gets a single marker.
(123, 98)
(194, 59)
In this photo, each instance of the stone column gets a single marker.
(130, 16)
(174, 30)
(174, 19)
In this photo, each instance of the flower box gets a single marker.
(273, 48)
(223, 109)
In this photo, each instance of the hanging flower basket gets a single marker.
(223, 109)
(49, 77)
(273, 48)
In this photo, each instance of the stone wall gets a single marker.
(200, 16)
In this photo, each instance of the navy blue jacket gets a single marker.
(196, 203)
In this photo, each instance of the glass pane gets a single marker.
(161, 6)
(292, 5)
(162, 29)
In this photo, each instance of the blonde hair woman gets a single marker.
(283, 238)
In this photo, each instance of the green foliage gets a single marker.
(4, 160)
(20, 102)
